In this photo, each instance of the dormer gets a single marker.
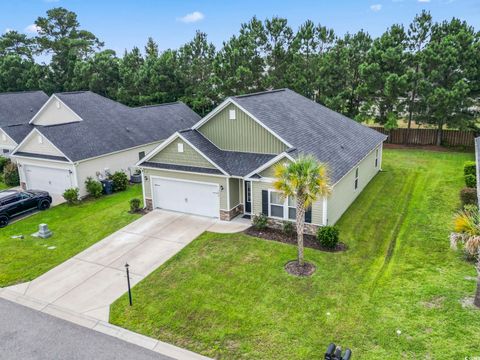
(54, 112)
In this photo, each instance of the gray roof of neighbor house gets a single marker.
(19, 107)
(233, 162)
(108, 126)
(311, 128)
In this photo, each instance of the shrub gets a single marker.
(468, 196)
(288, 228)
(469, 168)
(134, 205)
(3, 161)
(94, 187)
(71, 195)
(120, 181)
(260, 222)
(470, 180)
(327, 236)
(10, 174)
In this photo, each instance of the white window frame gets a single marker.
(285, 206)
(376, 157)
(180, 147)
(355, 183)
(232, 114)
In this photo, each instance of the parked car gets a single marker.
(16, 202)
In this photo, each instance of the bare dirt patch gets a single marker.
(294, 268)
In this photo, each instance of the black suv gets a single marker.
(15, 202)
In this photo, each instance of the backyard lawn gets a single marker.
(395, 294)
(75, 228)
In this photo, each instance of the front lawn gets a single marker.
(75, 228)
(394, 294)
(2, 184)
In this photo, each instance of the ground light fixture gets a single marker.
(335, 353)
(128, 284)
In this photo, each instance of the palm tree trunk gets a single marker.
(476, 300)
(300, 225)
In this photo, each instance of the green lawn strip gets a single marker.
(75, 228)
(227, 296)
(2, 185)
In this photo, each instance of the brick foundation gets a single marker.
(149, 204)
(278, 224)
(229, 215)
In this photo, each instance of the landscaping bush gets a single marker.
(71, 196)
(3, 161)
(470, 180)
(10, 174)
(469, 168)
(134, 205)
(120, 181)
(288, 228)
(327, 236)
(94, 187)
(260, 222)
(468, 196)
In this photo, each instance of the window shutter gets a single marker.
(308, 215)
(265, 202)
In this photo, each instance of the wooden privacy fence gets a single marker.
(428, 136)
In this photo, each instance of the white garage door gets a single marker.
(187, 197)
(53, 180)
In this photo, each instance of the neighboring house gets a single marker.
(223, 165)
(16, 111)
(76, 135)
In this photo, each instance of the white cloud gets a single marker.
(7, 30)
(376, 7)
(32, 29)
(192, 17)
(423, 1)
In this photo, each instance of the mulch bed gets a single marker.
(309, 241)
(294, 268)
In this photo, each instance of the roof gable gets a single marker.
(54, 112)
(37, 143)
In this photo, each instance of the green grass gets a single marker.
(228, 296)
(2, 184)
(75, 228)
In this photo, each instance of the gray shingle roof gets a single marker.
(233, 162)
(41, 156)
(109, 126)
(19, 107)
(18, 132)
(311, 128)
(181, 168)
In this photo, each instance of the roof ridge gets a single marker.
(74, 92)
(156, 105)
(260, 93)
(21, 92)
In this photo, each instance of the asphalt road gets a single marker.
(32, 335)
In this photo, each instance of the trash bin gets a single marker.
(107, 187)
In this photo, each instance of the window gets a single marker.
(141, 155)
(180, 147)
(282, 208)
(356, 178)
(40, 139)
(232, 114)
(6, 151)
(249, 191)
(376, 158)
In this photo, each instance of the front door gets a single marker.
(248, 197)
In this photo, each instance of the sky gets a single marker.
(123, 24)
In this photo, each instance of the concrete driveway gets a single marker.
(89, 282)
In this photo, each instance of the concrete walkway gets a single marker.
(82, 288)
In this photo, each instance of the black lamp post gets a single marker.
(128, 282)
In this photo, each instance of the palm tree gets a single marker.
(305, 180)
(467, 223)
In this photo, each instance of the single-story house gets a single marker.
(76, 135)
(223, 165)
(16, 111)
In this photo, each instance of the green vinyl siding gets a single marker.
(242, 134)
(234, 187)
(270, 171)
(189, 156)
(258, 186)
(222, 181)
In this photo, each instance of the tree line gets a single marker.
(427, 72)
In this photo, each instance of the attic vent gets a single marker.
(58, 104)
(4, 137)
(31, 110)
(128, 130)
(180, 147)
(232, 114)
(40, 139)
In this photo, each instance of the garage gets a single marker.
(53, 180)
(184, 196)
